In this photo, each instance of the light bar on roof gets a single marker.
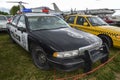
(35, 10)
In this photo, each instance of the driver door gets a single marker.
(82, 24)
(22, 32)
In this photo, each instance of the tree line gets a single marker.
(3, 13)
(12, 11)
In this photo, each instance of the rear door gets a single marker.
(13, 28)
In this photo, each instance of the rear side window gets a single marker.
(80, 20)
(71, 19)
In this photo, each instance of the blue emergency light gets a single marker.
(26, 10)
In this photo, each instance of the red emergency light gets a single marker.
(45, 10)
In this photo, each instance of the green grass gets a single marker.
(17, 64)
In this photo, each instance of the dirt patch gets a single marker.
(117, 76)
(94, 78)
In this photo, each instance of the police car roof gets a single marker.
(37, 14)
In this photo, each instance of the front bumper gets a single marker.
(79, 61)
(66, 64)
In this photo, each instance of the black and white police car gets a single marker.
(53, 43)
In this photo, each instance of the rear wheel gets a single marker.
(39, 57)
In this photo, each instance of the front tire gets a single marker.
(106, 40)
(39, 57)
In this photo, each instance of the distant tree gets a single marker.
(3, 13)
(14, 10)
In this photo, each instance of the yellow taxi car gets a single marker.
(95, 25)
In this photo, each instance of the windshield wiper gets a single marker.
(49, 28)
(104, 24)
(40, 29)
(59, 27)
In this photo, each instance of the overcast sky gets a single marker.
(67, 4)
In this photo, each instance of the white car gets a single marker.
(3, 21)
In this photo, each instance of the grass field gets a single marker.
(16, 64)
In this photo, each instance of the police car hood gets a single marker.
(112, 29)
(66, 39)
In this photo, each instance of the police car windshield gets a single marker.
(96, 21)
(46, 22)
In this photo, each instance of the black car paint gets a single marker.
(59, 40)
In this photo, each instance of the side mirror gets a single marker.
(85, 24)
(22, 29)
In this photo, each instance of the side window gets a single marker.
(80, 20)
(70, 19)
(15, 20)
(21, 22)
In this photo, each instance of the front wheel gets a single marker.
(106, 40)
(39, 57)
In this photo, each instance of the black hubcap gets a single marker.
(41, 57)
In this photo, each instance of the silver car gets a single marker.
(3, 21)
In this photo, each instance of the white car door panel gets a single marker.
(24, 38)
(23, 35)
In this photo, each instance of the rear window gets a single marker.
(2, 18)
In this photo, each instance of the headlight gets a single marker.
(66, 54)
